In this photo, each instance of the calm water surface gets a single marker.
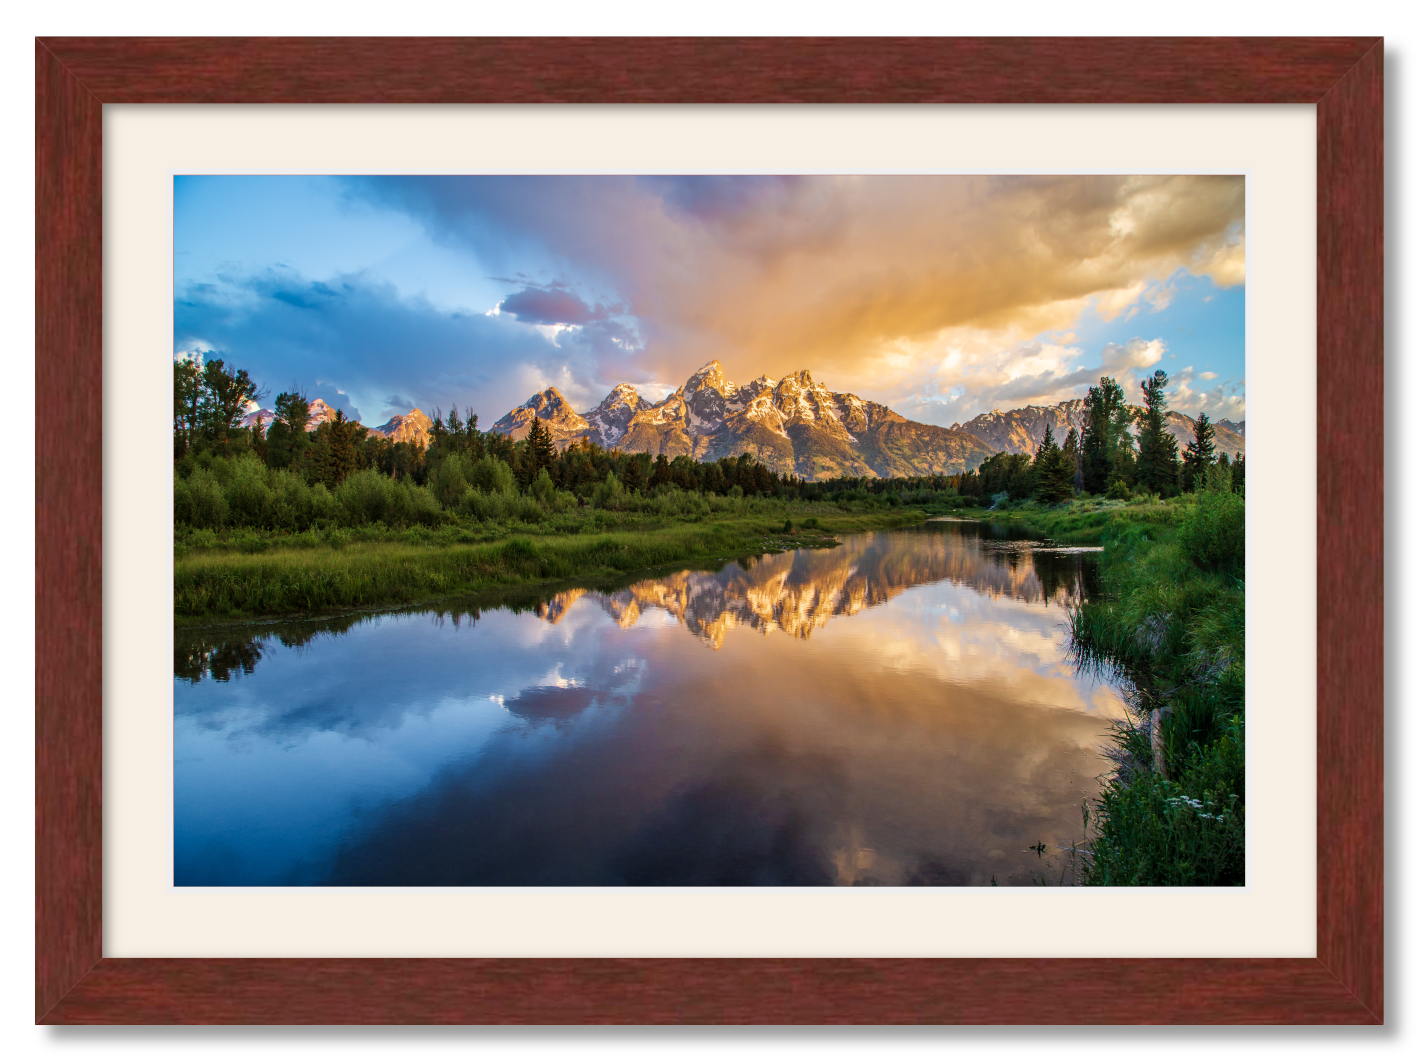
(898, 710)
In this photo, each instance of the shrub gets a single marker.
(609, 494)
(198, 501)
(1212, 534)
(451, 480)
(491, 475)
(249, 498)
(542, 489)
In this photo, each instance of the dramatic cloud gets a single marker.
(357, 344)
(940, 295)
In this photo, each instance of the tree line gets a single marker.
(461, 462)
(1107, 460)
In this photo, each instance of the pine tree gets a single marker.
(1158, 449)
(541, 451)
(1052, 477)
(1198, 456)
(342, 448)
(1070, 453)
(1106, 429)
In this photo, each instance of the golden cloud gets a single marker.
(854, 276)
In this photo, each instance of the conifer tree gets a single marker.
(541, 451)
(1106, 431)
(1053, 479)
(1158, 449)
(1070, 454)
(1198, 456)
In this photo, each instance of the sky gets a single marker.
(940, 296)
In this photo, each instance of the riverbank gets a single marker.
(1171, 621)
(249, 574)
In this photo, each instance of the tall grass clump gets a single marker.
(1171, 624)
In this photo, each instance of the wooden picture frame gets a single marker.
(75, 983)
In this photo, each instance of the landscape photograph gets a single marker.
(665, 531)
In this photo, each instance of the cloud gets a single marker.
(354, 342)
(1136, 353)
(839, 272)
(550, 305)
(926, 292)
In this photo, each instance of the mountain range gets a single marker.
(1021, 430)
(793, 425)
(797, 426)
(413, 426)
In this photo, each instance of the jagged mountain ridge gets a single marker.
(793, 425)
(1021, 430)
(412, 427)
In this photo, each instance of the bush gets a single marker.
(1212, 534)
(609, 494)
(491, 475)
(198, 501)
(542, 490)
(249, 498)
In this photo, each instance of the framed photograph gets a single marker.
(787, 837)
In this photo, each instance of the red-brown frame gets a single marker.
(74, 78)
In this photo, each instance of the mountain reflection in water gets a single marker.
(926, 735)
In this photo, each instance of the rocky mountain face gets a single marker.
(609, 420)
(556, 413)
(793, 425)
(320, 413)
(1021, 430)
(412, 427)
(262, 416)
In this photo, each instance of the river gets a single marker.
(900, 710)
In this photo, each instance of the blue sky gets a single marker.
(942, 297)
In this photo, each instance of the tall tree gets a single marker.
(1158, 449)
(1070, 453)
(1198, 456)
(343, 456)
(541, 451)
(1053, 479)
(1106, 431)
(227, 395)
(187, 402)
(293, 410)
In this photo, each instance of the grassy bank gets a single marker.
(248, 573)
(1171, 621)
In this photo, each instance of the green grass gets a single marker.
(245, 574)
(1170, 623)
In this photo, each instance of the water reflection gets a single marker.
(919, 726)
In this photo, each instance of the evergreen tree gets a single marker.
(187, 402)
(1070, 453)
(541, 451)
(1158, 449)
(343, 458)
(1198, 456)
(1053, 478)
(1106, 432)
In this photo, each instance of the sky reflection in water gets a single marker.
(898, 710)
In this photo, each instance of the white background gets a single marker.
(18, 1035)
